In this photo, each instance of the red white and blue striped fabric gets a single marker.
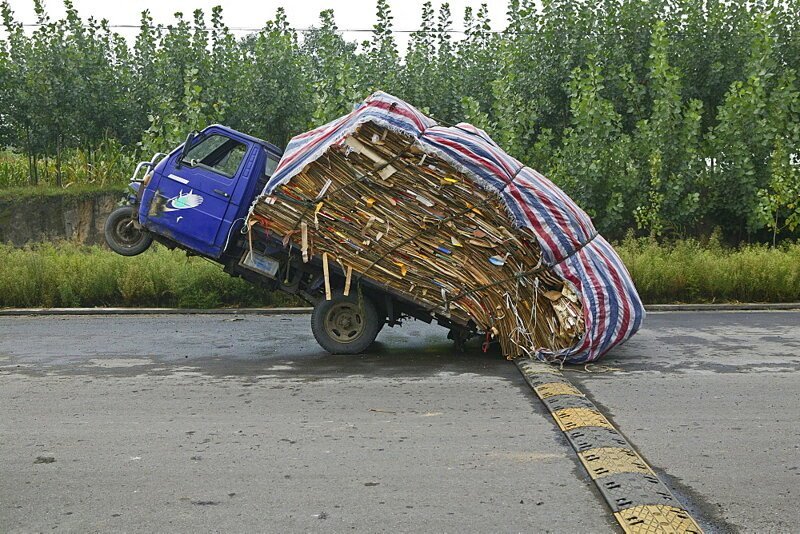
(570, 244)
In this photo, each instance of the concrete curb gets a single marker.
(776, 306)
(11, 312)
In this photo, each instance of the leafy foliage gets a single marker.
(670, 117)
(667, 148)
(593, 162)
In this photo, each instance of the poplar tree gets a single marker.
(333, 71)
(667, 146)
(419, 67)
(594, 164)
(381, 64)
(273, 96)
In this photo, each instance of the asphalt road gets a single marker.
(221, 423)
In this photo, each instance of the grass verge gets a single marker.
(78, 192)
(690, 272)
(67, 275)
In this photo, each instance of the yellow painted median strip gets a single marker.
(572, 418)
(641, 503)
(552, 389)
(604, 461)
(656, 519)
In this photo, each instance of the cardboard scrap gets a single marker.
(400, 216)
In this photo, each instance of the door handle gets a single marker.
(221, 192)
(178, 179)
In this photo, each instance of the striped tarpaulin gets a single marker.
(570, 244)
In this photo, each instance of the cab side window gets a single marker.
(272, 164)
(217, 153)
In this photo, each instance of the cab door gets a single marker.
(193, 194)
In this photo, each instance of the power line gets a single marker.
(245, 29)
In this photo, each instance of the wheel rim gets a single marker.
(126, 233)
(344, 322)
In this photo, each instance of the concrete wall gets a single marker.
(75, 217)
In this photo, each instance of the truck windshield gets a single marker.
(218, 153)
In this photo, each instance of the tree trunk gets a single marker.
(30, 169)
(59, 180)
(32, 177)
(775, 230)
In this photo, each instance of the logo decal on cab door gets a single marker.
(184, 201)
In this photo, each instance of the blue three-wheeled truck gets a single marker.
(197, 198)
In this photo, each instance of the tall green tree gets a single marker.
(273, 95)
(667, 147)
(15, 116)
(476, 54)
(594, 164)
(225, 64)
(444, 100)
(419, 67)
(145, 88)
(333, 70)
(742, 141)
(779, 206)
(711, 47)
(381, 64)
(513, 104)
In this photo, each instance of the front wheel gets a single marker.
(122, 235)
(342, 326)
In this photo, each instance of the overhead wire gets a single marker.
(305, 30)
(254, 29)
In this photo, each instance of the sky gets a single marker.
(350, 14)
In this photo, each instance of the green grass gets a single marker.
(690, 272)
(66, 275)
(39, 192)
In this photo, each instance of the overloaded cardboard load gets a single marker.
(444, 217)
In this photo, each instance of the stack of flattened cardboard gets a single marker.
(381, 207)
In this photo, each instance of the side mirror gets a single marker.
(187, 146)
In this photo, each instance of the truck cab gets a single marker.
(198, 196)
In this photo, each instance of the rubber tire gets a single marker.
(118, 243)
(372, 319)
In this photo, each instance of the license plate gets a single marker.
(263, 264)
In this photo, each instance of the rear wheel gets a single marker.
(122, 235)
(342, 325)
